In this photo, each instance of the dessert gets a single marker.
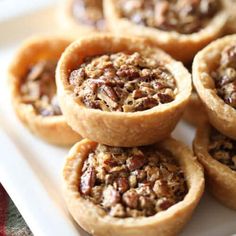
(33, 89)
(216, 152)
(214, 71)
(83, 16)
(125, 92)
(179, 27)
(132, 191)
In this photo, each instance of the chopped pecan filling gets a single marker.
(123, 82)
(89, 12)
(132, 182)
(225, 76)
(223, 149)
(39, 88)
(183, 16)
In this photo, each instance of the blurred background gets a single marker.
(13, 10)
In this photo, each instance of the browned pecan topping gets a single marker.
(123, 82)
(132, 182)
(225, 76)
(222, 148)
(89, 12)
(39, 88)
(183, 16)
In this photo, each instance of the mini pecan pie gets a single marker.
(125, 92)
(180, 27)
(33, 88)
(132, 191)
(214, 76)
(83, 16)
(217, 153)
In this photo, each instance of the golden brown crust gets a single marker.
(220, 178)
(120, 128)
(180, 46)
(53, 129)
(221, 115)
(194, 112)
(168, 222)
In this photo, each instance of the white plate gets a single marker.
(30, 170)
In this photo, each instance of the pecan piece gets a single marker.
(117, 211)
(163, 204)
(165, 98)
(131, 198)
(110, 196)
(135, 162)
(123, 184)
(161, 9)
(87, 180)
(108, 95)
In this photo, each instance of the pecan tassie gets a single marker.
(89, 12)
(225, 76)
(182, 16)
(39, 88)
(123, 82)
(132, 182)
(222, 148)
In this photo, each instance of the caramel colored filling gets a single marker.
(225, 76)
(223, 149)
(89, 12)
(183, 16)
(123, 82)
(132, 182)
(39, 88)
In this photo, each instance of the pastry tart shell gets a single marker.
(91, 218)
(220, 179)
(221, 115)
(194, 113)
(123, 129)
(52, 129)
(182, 47)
